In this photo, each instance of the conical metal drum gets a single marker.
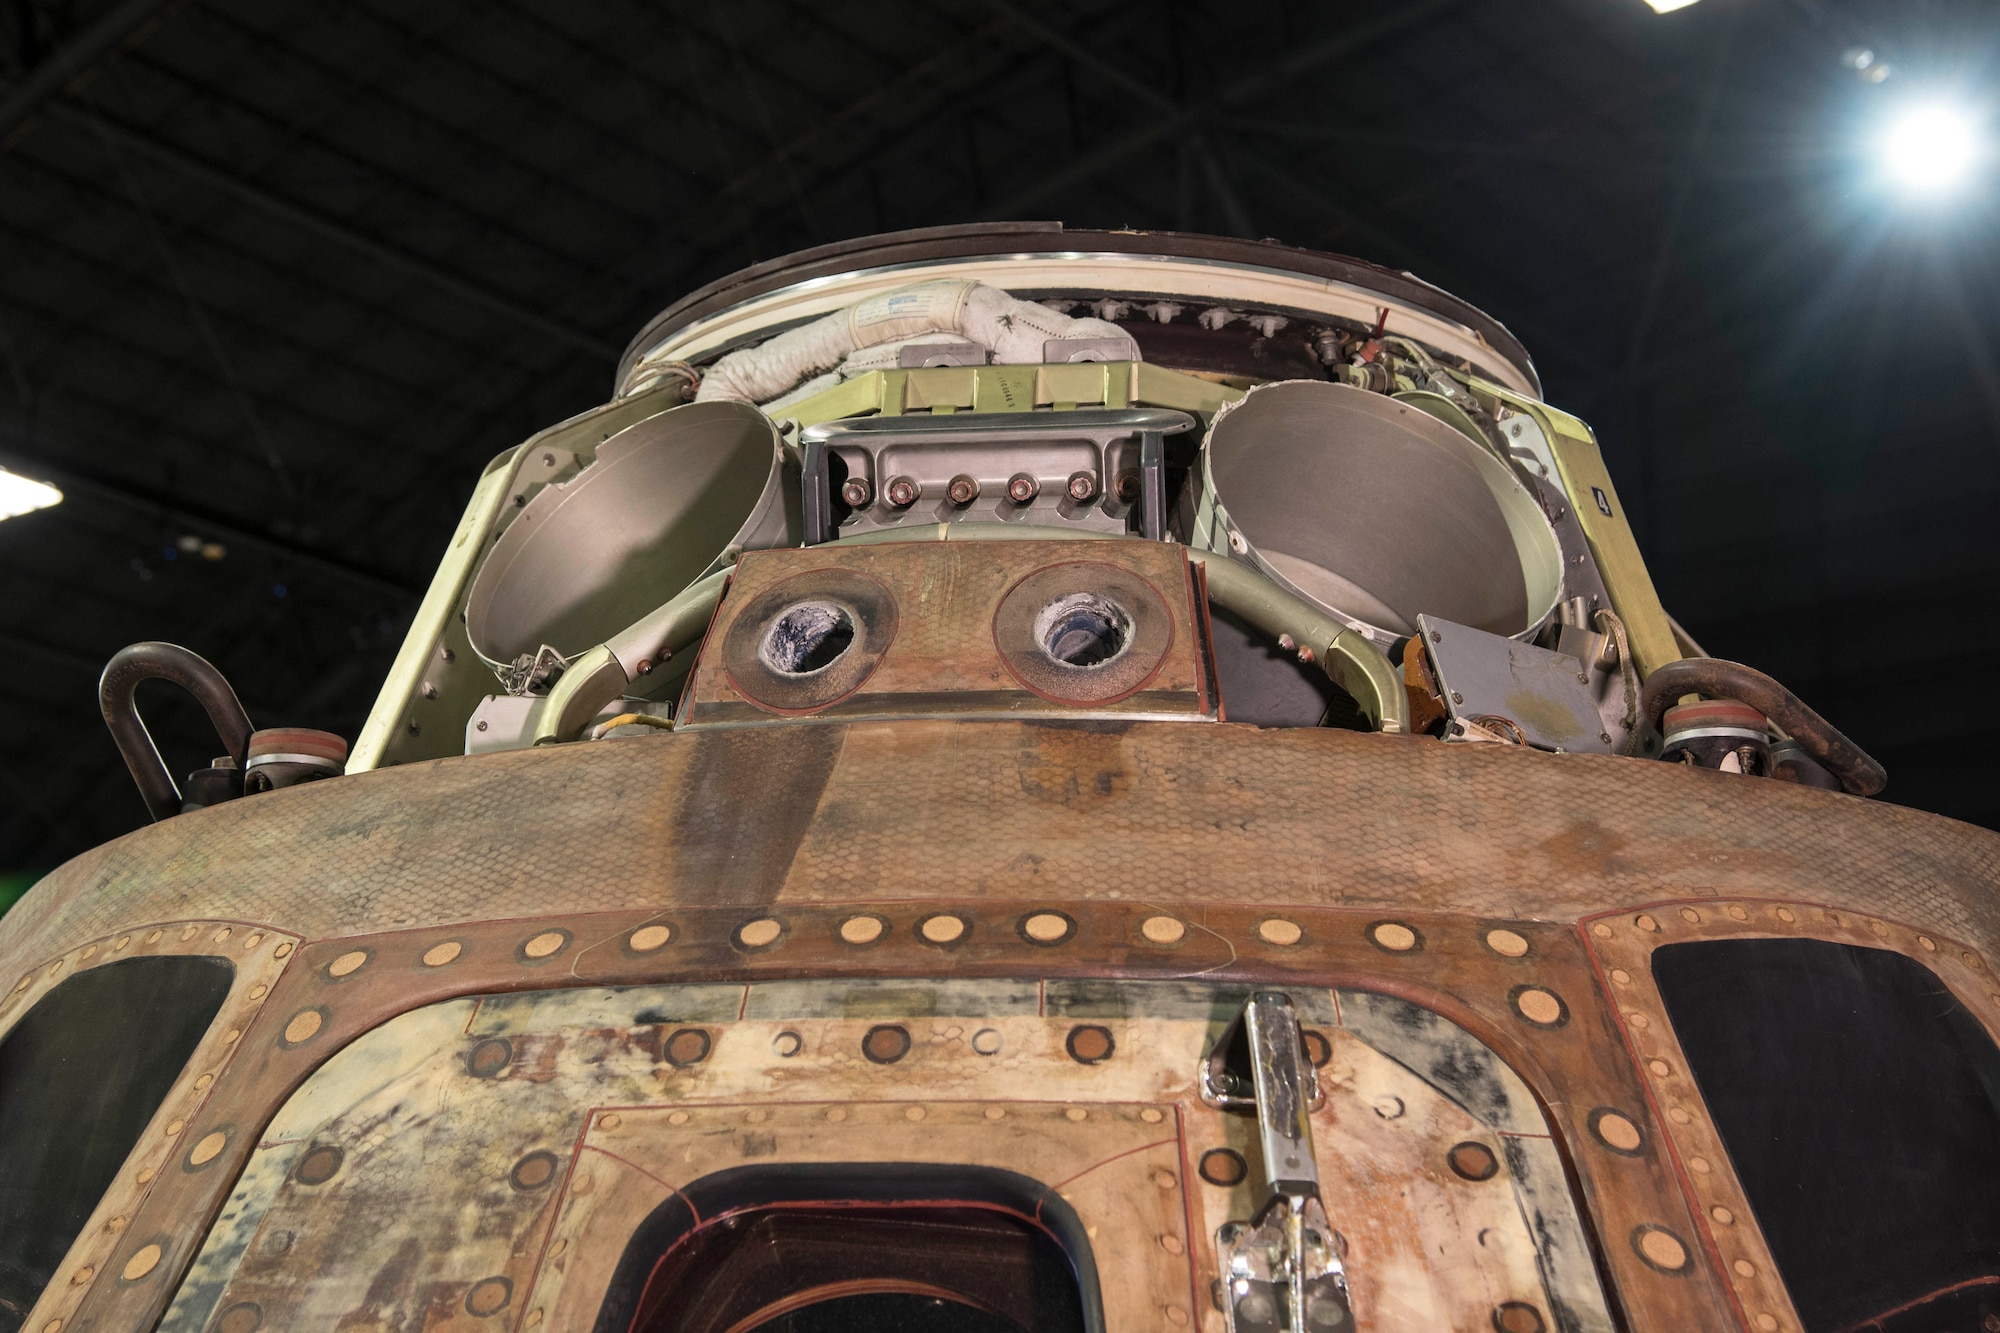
(663, 501)
(1375, 511)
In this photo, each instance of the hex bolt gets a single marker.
(901, 492)
(1022, 488)
(1457, 698)
(1082, 486)
(962, 491)
(1128, 486)
(854, 492)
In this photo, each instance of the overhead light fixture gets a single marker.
(1668, 6)
(21, 495)
(1931, 148)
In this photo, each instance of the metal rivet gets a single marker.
(348, 963)
(319, 1165)
(1645, 923)
(489, 1057)
(1660, 1068)
(1689, 915)
(1660, 1248)
(759, 934)
(1927, 944)
(1786, 915)
(489, 1296)
(1506, 943)
(913, 1113)
(886, 1043)
(996, 1113)
(1394, 936)
(1679, 1116)
(1090, 1044)
(1152, 1115)
(546, 944)
(1163, 929)
(143, 1261)
(1047, 927)
(208, 1149)
(862, 929)
(1220, 1166)
(1621, 976)
(1541, 1007)
(944, 928)
(1744, 1268)
(1279, 931)
(648, 938)
(687, 1047)
(1768, 1323)
(1737, 913)
(1616, 1131)
(1722, 1215)
(304, 1026)
(440, 954)
(1602, 931)
(610, 1120)
(1473, 1161)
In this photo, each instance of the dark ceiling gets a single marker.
(280, 276)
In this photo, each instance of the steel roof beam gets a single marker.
(72, 60)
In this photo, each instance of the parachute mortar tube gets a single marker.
(1016, 778)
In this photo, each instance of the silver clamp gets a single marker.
(1281, 1269)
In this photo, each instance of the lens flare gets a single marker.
(1931, 148)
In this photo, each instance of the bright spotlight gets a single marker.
(1932, 148)
(19, 495)
(1668, 6)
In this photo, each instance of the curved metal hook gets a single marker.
(116, 698)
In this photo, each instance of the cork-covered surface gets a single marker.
(1467, 880)
(820, 812)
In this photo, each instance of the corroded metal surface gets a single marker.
(474, 1157)
(1169, 812)
(1469, 880)
(947, 628)
(1528, 991)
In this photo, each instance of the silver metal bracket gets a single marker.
(1280, 1269)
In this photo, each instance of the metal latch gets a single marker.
(1281, 1268)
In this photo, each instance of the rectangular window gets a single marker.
(1860, 1103)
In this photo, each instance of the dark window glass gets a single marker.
(860, 1248)
(1860, 1103)
(80, 1075)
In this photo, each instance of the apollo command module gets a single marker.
(1021, 780)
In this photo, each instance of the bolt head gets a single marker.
(1022, 488)
(1128, 486)
(854, 492)
(1457, 698)
(962, 490)
(1082, 486)
(902, 492)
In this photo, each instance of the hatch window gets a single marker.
(862, 1248)
(1860, 1103)
(80, 1076)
